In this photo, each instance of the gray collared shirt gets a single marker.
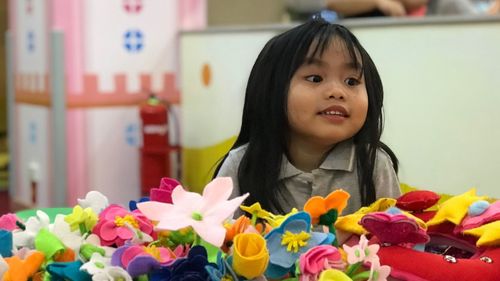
(338, 171)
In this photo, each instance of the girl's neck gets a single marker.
(306, 156)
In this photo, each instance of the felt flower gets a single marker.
(277, 220)
(3, 267)
(191, 267)
(132, 204)
(350, 223)
(139, 260)
(6, 243)
(455, 208)
(250, 255)
(257, 212)
(292, 238)
(62, 271)
(205, 213)
(318, 259)
(164, 192)
(82, 219)
(394, 228)
(94, 200)
(48, 243)
(361, 252)
(333, 274)
(9, 222)
(100, 268)
(22, 268)
(491, 214)
(71, 239)
(318, 207)
(111, 274)
(95, 240)
(116, 225)
(489, 234)
(223, 270)
(377, 272)
(26, 237)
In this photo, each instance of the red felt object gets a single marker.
(408, 264)
(417, 200)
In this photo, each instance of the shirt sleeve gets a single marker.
(385, 178)
(230, 169)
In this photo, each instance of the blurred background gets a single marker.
(113, 95)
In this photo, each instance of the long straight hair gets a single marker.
(265, 125)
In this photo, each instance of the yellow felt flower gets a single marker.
(489, 234)
(455, 208)
(276, 220)
(256, 210)
(83, 219)
(250, 256)
(333, 275)
(350, 223)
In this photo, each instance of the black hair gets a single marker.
(265, 125)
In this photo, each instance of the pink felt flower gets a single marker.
(377, 272)
(8, 222)
(491, 214)
(394, 228)
(164, 192)
(317, 259)
(117, 225)
(205, 213)
(361, 252)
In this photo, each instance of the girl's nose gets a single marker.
(336, 93)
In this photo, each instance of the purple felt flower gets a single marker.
(394, 228)
(139, 260)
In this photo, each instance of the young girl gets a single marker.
(312, 122)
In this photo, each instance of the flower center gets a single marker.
(127, 219)
(99, 265)
(153, 251)
(197, 216)
(294, 241)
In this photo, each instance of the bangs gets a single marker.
(336, 35)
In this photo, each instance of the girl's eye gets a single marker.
(352, 81)
(314, 78)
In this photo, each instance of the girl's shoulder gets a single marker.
(236, 154)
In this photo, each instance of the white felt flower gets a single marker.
(71, 239)
(94, 200)
(101, 270)
(26, 238)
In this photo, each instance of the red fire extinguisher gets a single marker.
(156, 150)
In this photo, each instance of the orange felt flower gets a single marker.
(21, 270)
(238, 226)
(317, 206)
(68, 255)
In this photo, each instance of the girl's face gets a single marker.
(327, 100)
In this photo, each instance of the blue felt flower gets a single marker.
(191, 268)
(287, 242)
(61, 271)
(6, 245)
(222, 269)
(132, 204)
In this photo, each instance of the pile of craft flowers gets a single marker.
(180, 235)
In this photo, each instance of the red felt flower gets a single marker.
(417, 200)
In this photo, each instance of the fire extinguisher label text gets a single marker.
(155, 129)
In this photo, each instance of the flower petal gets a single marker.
(213, 234)
(218, 190)
(154, 210)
